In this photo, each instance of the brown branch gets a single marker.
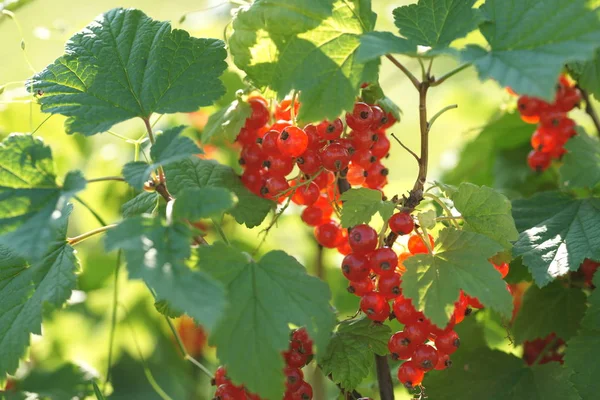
(589, 109)
(384, 378)
(406, 72)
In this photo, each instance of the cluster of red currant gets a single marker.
(551, 348)
(375, 275)
(324, 154)
(554, 128)
(588, 268)
(296, 357)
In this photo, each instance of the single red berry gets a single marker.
(401, 223)
(275, 186)
(328, 234)
(306, 195)
(416, 245)
(293, 378)
(348, 145)
(531, 106)
(409, 375)
(443, 362)
(280, 125)
(252, 156)
(384, 261)
(330, 130)
(503, 269)
(292, 141)
(356, 175)
(400, 346)
(315, 142)
(309, 162)
(363, 158)
(361, 117)
(301, 336)
(335, 157)
(246, 136)
(539, 161)
(269, 143)
(362, 140)
(474, 302)
(391, 120)
(252, 179)
(228, 391)
(379, 117)
(260, 113)
(283, 110)
(404, 311)
(544, 140)
(312, 216)
(389, 286)
(361, 288)
(416, 332)
(221, 376)
(355, 267)
(588, 268)
(305, 392)
(324, 179)
(375, 306)
(295, 359)
(324, 204)
(376, 176)
(362, 239)
(381, 147)
(425, 357)
(279, 165)
(447, 343)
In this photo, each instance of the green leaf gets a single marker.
(196, 203)
(591, 319)
(555, 308)
(227, 122)
(350, 355)
(427, 219)
(437, 23)
(28, 290)
(518, 272)
(557, 232)
(169, 148)
(587, 74)
(531, 41)
(31, 202)
(376, 44)
(97, 392)
(143, 203)
(125, 65)
(310, 47)
(264, 297)
(361, 204)
(494, 375)
(250, 210)
(582, 357)
(156, 254)
(459, 261)
(163, 307)
(581, 164)
(487, 212)
(66, 382)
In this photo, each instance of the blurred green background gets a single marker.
(80, 333)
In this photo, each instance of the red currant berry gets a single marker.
(246, 136)
(443, 362)
(269, 143)
(544, 140)
(253, 180)
(503, 269)
(404, 311)
(379, 117)
(409, 375)
(381, 147)
(228, 391)
(293, 378)
(376, 176)
(400, 346)
(301, 336)
(309, 162)
(274, 187)
(328, 234)
(355, 267)
(389, 286)
(361, 288)
(221, 376)
(375, 306)
(447, 343)
(295, 359)
(416, 245)
(292, 141)
(335, 157)
(362, 239)
(474, 302)
(539, 161)
(588, 268)
(283, 110)
(305, 392)
(280, 125)
(361, 117)
(362, 140)
(312, 216)
(252, 156)
(330, 130)
(279, 165)
(416, 332)
(306, 195)
(384, 261)
(425, 357)
(401, 223)
(356, 175)
(315, 142)
(391, 120)
(324, 179)
(531, 106)
(260, 113)
(363, 158)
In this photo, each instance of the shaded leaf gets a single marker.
(196, 203)
(581, 164)
(227, 122)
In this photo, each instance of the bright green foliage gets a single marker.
(555, 308)
(264, 296)
(196, 203)
(486, 211)
(143, 203)
(227, 122)
(163, 307)
(309, 47)
(376, 44)
(169, 147)
(557, 232)
(361, 204)
(588, 74)
(31, 202)
(427, 219)
(531, 41)
(28, 290)
(350, 355)
(66, 382)
(459, 261)
(581, 167)
(494, 375)
(436, 23)
(250, 210)
(156, 254)
(126, 65)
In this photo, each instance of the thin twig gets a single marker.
(107, 178)
(100, 220)
(78, 239)
(406, 148)
(450, 74)
(318, 382)
(113, 321)
(184, 352)
(590, 110)
(406, 72)
(439, 114)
